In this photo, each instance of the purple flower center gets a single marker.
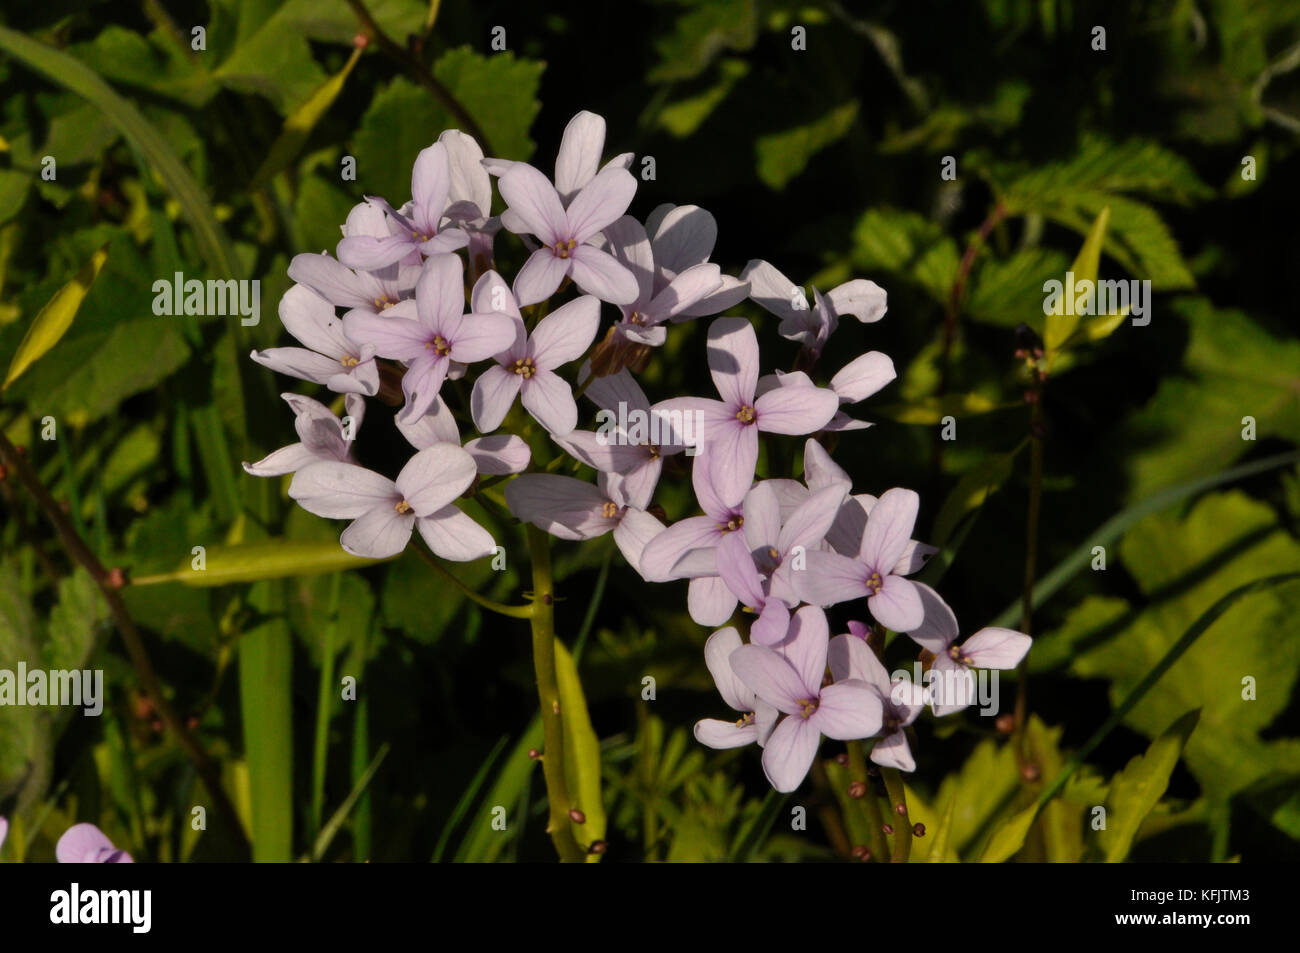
(565, 248)
(806, 707)
(874, 583)
(439, 345)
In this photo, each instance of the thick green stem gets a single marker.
(542, 619)
(902, 825)
(858, 772)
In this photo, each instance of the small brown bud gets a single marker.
(1006, 723)
(841, 758)
(361, 41)
(534, 754)
(918, 830)
(900, 810)
(861, 852)
(577, 816)
(1030, 772)
(597, 847)
(116, 578)
(888, 829)
(857, 789)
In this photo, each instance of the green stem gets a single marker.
(875, 823)
(324, 707)
(902, 826)
(515, 612)
(542, 618)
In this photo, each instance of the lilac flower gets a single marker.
(432, 332)
(536, 209)
(330, 357)
(832, 578)
(811, 327)
(384, 511)
(758, 718)
(87, 844)
(952, 684)
(576, 162)
(416, 228)
(656, 300)
(681, 237)
(527, 367)
(790, 679)
(374, 291)
(469, 197)
(729, 446)
(901, 702)
(709, 600)
(321, 437)
(778, 544)
(574, 509)
(634, 436)
(497, 454)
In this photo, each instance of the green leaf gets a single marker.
(1059, 327)
(1183, 566)
(699, 35)
(974, 487)
(929, 411)
(53, 320)
(261, 559)
(269, 56)
(499, 91)
(300, 123)
(581, 752)
(783, 155)
(1135, 790)
(484, 843)
(74, 75)
(1060, 821)
(1009, 836)
(941, 851)
(1232, 368)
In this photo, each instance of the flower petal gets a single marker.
(789, 752)
(938, 628)
(534, 203)
(435, 476)
(720, 735)
(578, 157)
(499, 454)
(897, 605)
(847, 711)
(453, 535)
(378, 533)
(795, 409)
(889, 527)
(548, 398)
(494, 392)
(829, 579)
(597, 273)
(733, 360)
(565, 334)
(341, 490)
(540, 276)
(768, 674)
(600, 202)
(995, 647)
(709, 601)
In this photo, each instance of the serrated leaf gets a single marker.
(783, 155)
(1183, 566)
(1135, 791)
(1009, 836)
(53, 320)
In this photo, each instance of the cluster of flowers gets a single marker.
(780, 548)
(81, 844)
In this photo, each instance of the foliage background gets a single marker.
(825, 162)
